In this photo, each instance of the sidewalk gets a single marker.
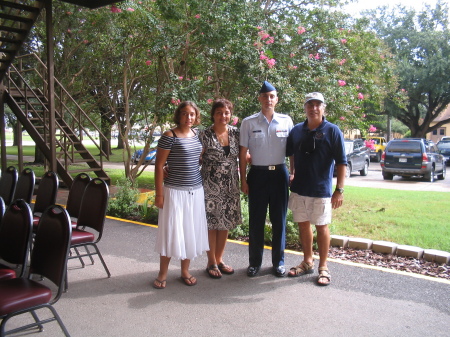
(361, 301)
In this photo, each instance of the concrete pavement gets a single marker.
(361, 301)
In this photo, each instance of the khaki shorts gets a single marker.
(315, 210)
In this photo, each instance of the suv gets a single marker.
(412, 157)
(379, 144)
(444, 148)
(357, 157)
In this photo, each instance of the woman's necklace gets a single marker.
(222, 138)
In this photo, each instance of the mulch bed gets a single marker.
(389, 261)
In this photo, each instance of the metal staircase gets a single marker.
(17, 17)
(24, 94)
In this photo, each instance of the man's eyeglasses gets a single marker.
(308, 145)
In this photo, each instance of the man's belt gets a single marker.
(268, 167)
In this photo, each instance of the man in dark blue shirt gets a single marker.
(317, 145)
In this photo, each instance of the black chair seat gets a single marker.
(22, 293)
(6, 273)
(79, 236)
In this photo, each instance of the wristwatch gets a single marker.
(340, 190)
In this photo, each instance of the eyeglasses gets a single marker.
(308, 145)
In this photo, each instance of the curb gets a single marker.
(385, 247)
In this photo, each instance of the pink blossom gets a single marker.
(341, 83)
(69, 13)
(180, 78)
(317, 56)
(294, 67)
(210, 101)
(270, 40)
(341, 62)
(262, 56)
(115, 9)
(372, 128)
(197, 16)
(148, 62)
(342, 118)
(360, 96)
(311, 56)
(291, 55)
(235, 120)
(301, 30)
(357, 86)
(69, 31)
(364, 115)
(344, 40)
(370, 144)
(264, 35)
(259, 27)
(271, 63)
(402, 90)
(85, 41)
(130, 9)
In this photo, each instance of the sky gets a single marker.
(356, 7)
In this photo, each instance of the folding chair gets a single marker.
(16, 229)
(8, 183)
(25, 185)
(48, 263)
(91, 220)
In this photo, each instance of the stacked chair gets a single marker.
(48, 264)
(8, 183)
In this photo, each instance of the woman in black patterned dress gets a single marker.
(221, 183)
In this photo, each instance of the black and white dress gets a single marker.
(221, 180)
(182, 228)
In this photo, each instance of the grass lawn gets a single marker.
(404, 217)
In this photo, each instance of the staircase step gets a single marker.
(8, 51)
(15, 41)
(16, 18)
(19, 6)
(85, 169)
(13, 29)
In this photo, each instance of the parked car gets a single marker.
(151, 156)
(444, 149)
(358, 158)
(379, 145)
(412, 157)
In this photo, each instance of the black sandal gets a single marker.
(213, 268)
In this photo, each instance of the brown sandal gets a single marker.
(224, 269)
(324, 273)
(157, 284)
(302, 269)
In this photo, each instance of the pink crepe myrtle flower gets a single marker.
(115, 9)
(342, 118)
(69, 31)
(85, 41)
(262, 56)
(341, 62)
(271, 63)
(291, 55)
(210, 101)
(235, 120)
(344, 41)
(341, 83)
(364, 115)
(311, 56)
(370, 144)
(130, 9)
(300, 30)
(372, 128)
(294, 67)
(180, 78)
(259, 27)
(357, 86)
(317, 56)
(148, 62)
(175, 101)
(270, 40)
(360, 96)
(197, 16)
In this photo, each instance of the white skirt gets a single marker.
(182, 227)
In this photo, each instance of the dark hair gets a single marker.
(221, 103)
(176, 116)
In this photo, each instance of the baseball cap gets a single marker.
(314, 96)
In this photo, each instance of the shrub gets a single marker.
(148, 211)
(123, 205)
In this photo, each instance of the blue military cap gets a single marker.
(266, 87)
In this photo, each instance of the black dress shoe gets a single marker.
(280, 271)
(252, 271)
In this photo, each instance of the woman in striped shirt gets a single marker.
(182, 228)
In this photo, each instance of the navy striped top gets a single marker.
(183, 161)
